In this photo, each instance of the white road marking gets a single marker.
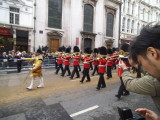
(83, 111)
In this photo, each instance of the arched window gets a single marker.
(88, 18)
(128, 25)
(110, 23)
(55, 14)
(133, 7)
(138, 28)
(123, 24)
(132, 29)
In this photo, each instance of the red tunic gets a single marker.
(59, 60)
(109, 62)
(95, 62)
(102, 65)
(66, 60)
(76, 60)
(86, 61)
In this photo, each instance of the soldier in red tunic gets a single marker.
(122, 90)
(102, 68)
(109, 63)
(59, 61)
(76, 59)
(66, 61)
(95, 61)
(86, 64)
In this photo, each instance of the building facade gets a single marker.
(85, 23)
(54, 23)
(16, 24)
(135, 14)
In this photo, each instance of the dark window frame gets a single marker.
(109, 24)
(88, 18)
(55, 14)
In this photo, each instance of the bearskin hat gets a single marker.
(125, 47)
(76, 49)
(96, 50)
(109, 51)
(63, 48)
(88, 50)
(68, 50)
(60, 49)
(103, 50)
(39, 51)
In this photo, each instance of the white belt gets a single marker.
(101, 65)
(66, 60)
(86, 62)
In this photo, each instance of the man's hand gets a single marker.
(148, 114)
(122, 65)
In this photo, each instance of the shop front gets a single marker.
(6, 40)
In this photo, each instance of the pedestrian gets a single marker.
(66, 62)
(86, 64)
(76, 59)
(36, 71)
(102, 68)
(95, 61)
(59, 61)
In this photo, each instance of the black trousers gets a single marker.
(75, 70)
(91, 65)
(95, 69)
(19, 66)
(101, 82)
(109, 73)
(79, 67)
(122, 88)
(56, 65)
(66, 68)
(59, 67)
(86, 74)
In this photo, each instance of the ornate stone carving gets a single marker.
(88, 35)
(110, 9)
(109, 42)
(92, 2)
(55, 35)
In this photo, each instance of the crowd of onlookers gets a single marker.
(7, 58)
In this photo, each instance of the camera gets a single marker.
(125, 113)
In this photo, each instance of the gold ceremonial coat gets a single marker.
(37, 66)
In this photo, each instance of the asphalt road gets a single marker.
(64, 99)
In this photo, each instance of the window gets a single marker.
(110, 23)
(55, 14)
(128, 25)
(128, 6)
(88, 18)
(14, 15)
(138, 28)
(132, 29)
(143, 14)
(124, 6)
(133, 6)
(148, 16)
(123, 24)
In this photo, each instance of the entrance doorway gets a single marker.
(54, 45)
(87, 43)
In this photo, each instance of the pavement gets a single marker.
(64, 99)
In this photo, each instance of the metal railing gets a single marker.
(12, 64)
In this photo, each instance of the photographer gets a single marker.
(145, 50)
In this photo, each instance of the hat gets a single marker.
(125, 47)
(109, 51)
(68, 50)
(96, 50)
(39, 51)
(88, 50)
(76, 49)
(103, 50)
